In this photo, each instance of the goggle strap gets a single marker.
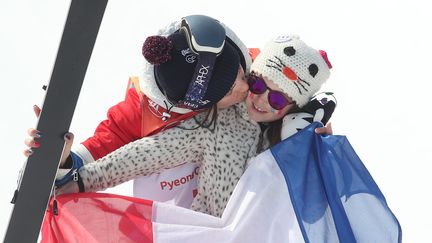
(200, 81)
(206, 38)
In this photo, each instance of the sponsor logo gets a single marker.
(169, 185)
(201, 78)
(189, 56)
(204, 102)
(154, 108)
(153, 105)
(186, 51)
(188, 104)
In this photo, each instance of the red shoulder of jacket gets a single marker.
(154, 120)
(135, 117)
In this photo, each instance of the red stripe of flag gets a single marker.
(98, 217)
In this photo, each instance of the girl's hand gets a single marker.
(326, 130)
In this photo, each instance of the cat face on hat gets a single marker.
(296, 68)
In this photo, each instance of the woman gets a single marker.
(171, 78)
(150, 111)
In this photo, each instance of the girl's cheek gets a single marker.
(251, 95)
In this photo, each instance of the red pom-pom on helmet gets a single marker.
(156, 49)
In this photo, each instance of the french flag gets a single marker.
(308, 188)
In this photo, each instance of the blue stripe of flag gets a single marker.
(334, 196)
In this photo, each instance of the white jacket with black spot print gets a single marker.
(222, 154)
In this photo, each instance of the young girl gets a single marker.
(285, 75)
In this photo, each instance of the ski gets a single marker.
(76, 45)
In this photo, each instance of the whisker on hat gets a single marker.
(278, 64)
(275, 67)
(305, 89)
(296, 84)
(304, 81)
(281, 62)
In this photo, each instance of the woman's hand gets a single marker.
(34, 136)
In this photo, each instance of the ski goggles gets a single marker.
(206, 38)
(276, 99)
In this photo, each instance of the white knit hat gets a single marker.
(296, 68)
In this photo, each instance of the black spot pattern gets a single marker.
(221, 153)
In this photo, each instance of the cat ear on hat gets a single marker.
(325, 57)
(157, 49)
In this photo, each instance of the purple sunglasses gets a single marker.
(277, 99)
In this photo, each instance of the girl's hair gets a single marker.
(274, 132)
(209, 120)
(274, 128)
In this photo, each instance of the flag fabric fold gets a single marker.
(334, 196)
(308, 188)
(98, 217)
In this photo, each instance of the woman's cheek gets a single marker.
(279, 112)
